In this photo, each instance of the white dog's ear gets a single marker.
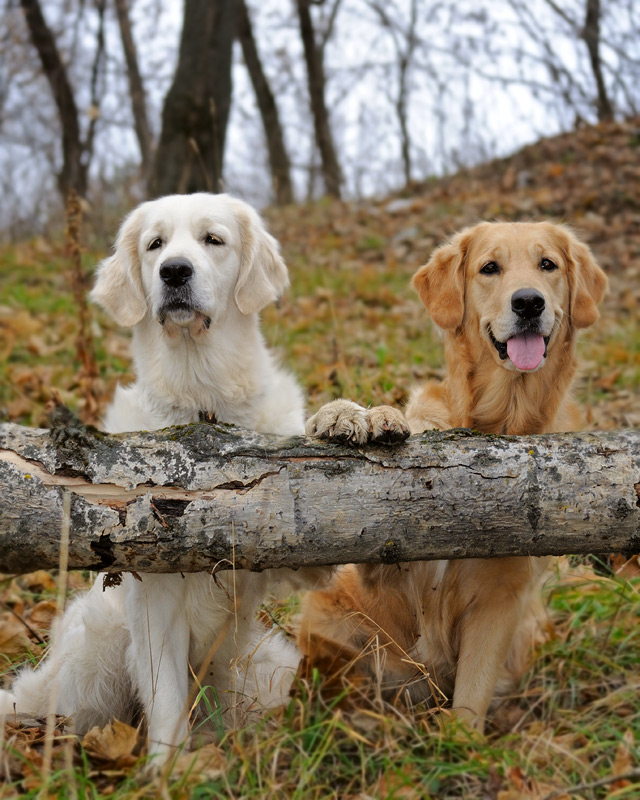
(263, 274)
(118, 288)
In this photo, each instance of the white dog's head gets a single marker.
(186, 259)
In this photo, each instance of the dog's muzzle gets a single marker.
(176, 272)
(177, 300)
(526, 347)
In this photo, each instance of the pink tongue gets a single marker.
(526, 350)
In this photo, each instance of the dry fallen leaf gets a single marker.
(114, 743)
(13, 601)
(43, 614)
(13, 636)
(607, 382)
(22, 751)
(625, 567)
(525, 788)
(22, 323)
(624, 760)
(37, 581)
(395, 784)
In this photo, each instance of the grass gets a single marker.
(347, 328)
(574, 720)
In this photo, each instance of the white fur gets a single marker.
(136, 647)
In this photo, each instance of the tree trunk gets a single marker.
(316, 80)
(591, 36)
(189, 155)
(278, 158)
(200, 497)
(73, 175)
(404, 52)
(136, 87)
(405, 59)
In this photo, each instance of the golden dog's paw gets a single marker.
(388, 425)
(340, 421)
(344, 421)
(461, 726)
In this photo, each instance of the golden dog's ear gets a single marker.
(588, 283)
(118, 288)
(440, 282)
(263, 274)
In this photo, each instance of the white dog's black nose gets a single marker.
(527, 303)
(176, 272)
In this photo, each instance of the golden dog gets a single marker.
(509, 298)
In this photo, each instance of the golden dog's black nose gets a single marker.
(176, 272)
(527, 303)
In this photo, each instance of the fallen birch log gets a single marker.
(202, 497)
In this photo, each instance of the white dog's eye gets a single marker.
(211, 238)
(548, 265)
(155, 244)
(490, 269)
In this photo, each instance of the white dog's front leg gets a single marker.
(159, 657)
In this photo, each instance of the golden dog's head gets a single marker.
(513, 286)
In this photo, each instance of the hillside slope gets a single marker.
(589, 178)
(359, 257)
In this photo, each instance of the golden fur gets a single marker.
(464, 628)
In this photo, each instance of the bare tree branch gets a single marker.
(331, 22)
(563, 15)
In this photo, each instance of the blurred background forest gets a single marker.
(289, 100)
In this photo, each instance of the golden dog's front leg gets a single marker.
(498, 593)
(345, 421)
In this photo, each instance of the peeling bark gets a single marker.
(201, 497)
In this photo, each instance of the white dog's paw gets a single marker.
(340, 421)
(388, 425)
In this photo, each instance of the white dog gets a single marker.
(189, 274)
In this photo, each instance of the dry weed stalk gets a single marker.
(61, 596)
(85, 351)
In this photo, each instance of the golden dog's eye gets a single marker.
(548, 265)
(211, 238)
(155, 244)
(490, 269)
